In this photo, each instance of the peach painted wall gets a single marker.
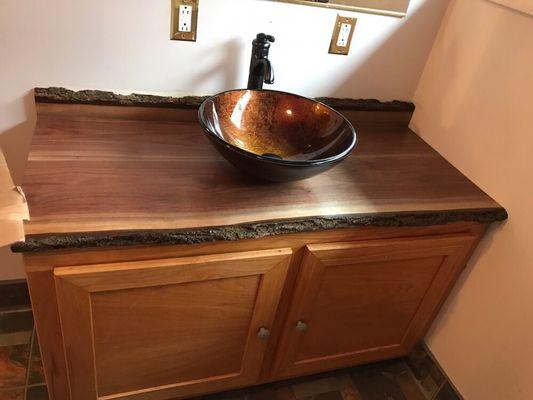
(123, 45)
(475, 106)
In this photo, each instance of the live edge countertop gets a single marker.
(113, 170)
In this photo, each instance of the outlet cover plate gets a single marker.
(342, 35)
(184, 20)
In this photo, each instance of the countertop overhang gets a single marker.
(113, 170)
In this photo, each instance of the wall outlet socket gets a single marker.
(184, 20)
(342, 35)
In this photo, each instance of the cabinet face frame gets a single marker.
(74, 286)
(319, 257)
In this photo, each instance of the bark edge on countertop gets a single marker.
(37, 243)
(100, 97)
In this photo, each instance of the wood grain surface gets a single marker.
(365, 300)
(109, 169)
(13, 207)
(193, 331)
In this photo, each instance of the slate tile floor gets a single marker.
(387, 380)
(21, 371)
(416, 378)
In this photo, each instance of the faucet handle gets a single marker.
(265, 38)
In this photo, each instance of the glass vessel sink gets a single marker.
(274, 135)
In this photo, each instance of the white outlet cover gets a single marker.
(185, 19)
(344, 35)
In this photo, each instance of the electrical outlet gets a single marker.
(184, 20)
(342, 35)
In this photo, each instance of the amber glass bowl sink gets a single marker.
(274, 135)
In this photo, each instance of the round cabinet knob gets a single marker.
(263, 333)
(301, 326)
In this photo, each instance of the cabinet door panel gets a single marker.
(365, 306)
(191, 326)
(189, 330)
(361, 301)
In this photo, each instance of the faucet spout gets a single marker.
(261, 70)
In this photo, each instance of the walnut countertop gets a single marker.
(105, 170)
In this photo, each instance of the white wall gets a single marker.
(124, 45)
(475, 106)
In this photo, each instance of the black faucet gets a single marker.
(261, 70)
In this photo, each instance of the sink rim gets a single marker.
(262, 158)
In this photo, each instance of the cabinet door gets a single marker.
(168, 328)
(363, 301)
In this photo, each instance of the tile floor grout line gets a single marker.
(36, 385)
(424, 391)
(446, 377)
(32, 339)
(439, 389)
(14, 310)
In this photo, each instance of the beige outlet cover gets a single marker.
(13, 207)
(525, 6)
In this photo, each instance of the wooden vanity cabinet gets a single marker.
(168, 328)
(157, 272)
(179, 321)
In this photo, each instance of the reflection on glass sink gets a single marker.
(274, 135)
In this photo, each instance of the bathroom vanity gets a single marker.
(158, 271)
